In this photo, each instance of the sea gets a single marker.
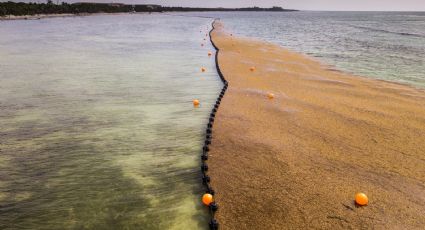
(382, 45)
(97, 126)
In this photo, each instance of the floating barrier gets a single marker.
(213, 224)
(210, 190)
(204, 167)
(206, 148)
(207, 198)
(361, 199)
(213, 206)
(204, 157)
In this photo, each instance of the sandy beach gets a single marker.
(38, 16)
(44, 16)
(296, 161)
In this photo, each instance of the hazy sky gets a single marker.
(391, 5)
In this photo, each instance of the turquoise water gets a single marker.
(383, 45)
(97, 125)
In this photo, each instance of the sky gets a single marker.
(345, 5)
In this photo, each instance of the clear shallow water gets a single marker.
(383, 45)
(97, 125)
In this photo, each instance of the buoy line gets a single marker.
(208, 198)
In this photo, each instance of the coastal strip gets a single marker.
(296, 159)
(21, 10)
(34, 17)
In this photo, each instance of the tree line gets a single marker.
(20, 8)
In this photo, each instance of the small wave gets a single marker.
(389, 32)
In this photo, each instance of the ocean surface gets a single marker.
(383, 45)
(97, 126)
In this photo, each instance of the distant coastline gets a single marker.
(43, 16)
(16, 11)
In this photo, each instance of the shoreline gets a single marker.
(297, 160)
(45, 16)
(38, 16)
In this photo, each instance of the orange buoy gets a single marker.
(207, 199)
(361, 199)
(196, 102)
(252, 69)
(209, 53)
(203, 69)
(270, 95)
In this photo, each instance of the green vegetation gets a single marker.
(20, 8)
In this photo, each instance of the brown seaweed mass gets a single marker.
(297, 161)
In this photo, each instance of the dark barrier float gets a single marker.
(213, 207)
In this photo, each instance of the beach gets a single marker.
(297, 160)
(38, 16)
(45, 16)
